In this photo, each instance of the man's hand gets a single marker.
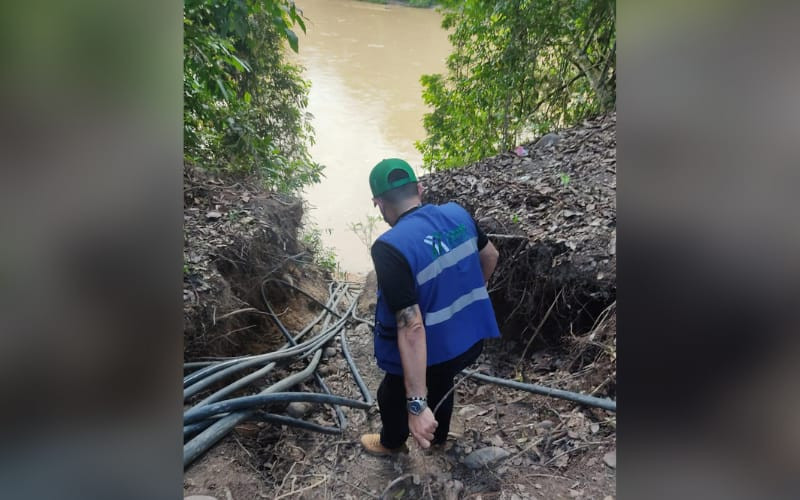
(422, 427)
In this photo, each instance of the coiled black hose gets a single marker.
(200, 443)
(206, 419)
(256, 375)
(336, 408)
(261, 416)
(247, 402)
(307, 347)
(352, 364)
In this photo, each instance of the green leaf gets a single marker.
(223, 90)
(292, 37)
(300, 22)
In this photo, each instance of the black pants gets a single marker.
(439, 379)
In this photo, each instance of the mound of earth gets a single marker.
(550, 208)
(235, 236)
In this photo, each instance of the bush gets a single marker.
(518, 69)
(244, 105)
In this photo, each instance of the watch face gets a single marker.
(415, 407)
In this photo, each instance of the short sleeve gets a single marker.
(395, 279)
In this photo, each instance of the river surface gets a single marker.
(364, 62)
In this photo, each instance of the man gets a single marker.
(433, 310)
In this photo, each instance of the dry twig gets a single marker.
(306, 488)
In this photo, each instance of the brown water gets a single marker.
(364, 62)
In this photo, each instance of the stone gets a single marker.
(329, 352)
(548, 140)
(363, 329)
(484, 456)
(324, 370)
(610, 459)
(298, 410)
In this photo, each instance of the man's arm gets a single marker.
(413, 355)
(488, 255)
(413, 350)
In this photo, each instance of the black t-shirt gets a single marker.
(395, 279)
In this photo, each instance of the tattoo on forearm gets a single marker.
(406, 316)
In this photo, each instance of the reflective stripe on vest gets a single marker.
(442, 315)
(451, 258)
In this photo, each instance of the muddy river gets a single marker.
(364, 62)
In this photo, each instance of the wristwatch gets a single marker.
(416, 405)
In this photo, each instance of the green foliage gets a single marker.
(519, 68)
(365, 231)
(244, 105)
(324, 256)
(421, 3)
(564, 178)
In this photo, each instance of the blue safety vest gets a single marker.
(440, 243)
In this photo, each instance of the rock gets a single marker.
(363, 329)
(329, 352)
(547, 140)
(545, 424)
(610, 459)
(213, 215)
(298, 410)
(484, 456)
(324, 370)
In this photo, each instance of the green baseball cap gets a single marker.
(379, 177)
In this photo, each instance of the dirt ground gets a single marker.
(555, 448)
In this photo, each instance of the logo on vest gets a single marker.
(443, 242)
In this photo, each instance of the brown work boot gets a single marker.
(372, 445)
